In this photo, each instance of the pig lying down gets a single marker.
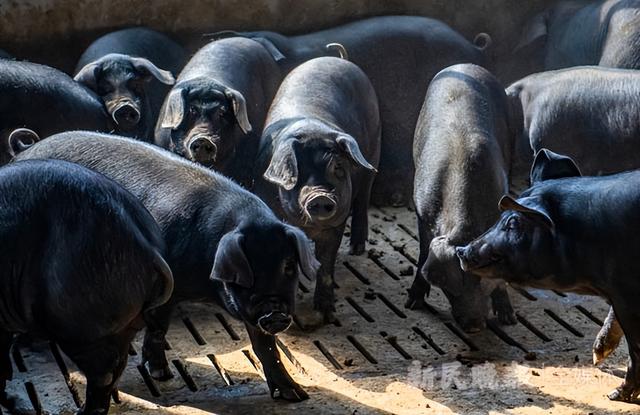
(82, 284)
(571, 233)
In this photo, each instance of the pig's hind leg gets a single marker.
(628, 316)
(420, 287)
(153, 352)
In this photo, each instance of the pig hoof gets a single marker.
(161, 374)
(507, 318)
(616, 395)
(357, 249)
(291, 394)
(623, 394)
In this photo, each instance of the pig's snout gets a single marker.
(126, 115)
(462, 252)
(320, 207)
(274, 322)
(203, 150)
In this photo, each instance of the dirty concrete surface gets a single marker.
(379, 359)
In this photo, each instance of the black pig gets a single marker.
(82, 284)
(317, 159)
(223, 243)
(462, 155)
(569, 233)
(130, 70)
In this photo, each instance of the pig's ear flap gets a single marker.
(349, 145)
(230, 264)
(548, 165)
(239, 109)
(534, 31)
(536, 213)
(283, 169)
(88, 75)
(148, 69)
(174, 109)
(270, 47)
(21, 139)
(306, 257)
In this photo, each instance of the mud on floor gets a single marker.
(379, 358)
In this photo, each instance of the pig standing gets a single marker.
(317, 159)
(400, 55)
(462, 155)
(131, 71)
(107, 268)
(568, 233)
(588, 113)
(605, 33)
(223, 243)
(215, 112)
(44, 100)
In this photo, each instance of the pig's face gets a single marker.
(259, 266)
(120, 81)
(204, 117)
(467, 294)
(313, 166)
(518, 248)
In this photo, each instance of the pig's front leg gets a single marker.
(501, 305)
(281, 385)
(628, 318)
(327, 245)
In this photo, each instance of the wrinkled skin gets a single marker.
(317, 160)
(379, 47)
(215, 112)
(46, 101)
(223, 243)
(132, 71)
(104, 300)
(572, 33)
(570, 233)
(462, 156)
(580, 112)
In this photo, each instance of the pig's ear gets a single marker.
(270, 47)
(536, 213)
(283, 169)
(21, 139)
(230, 264)
(434, 269)
(88, 75)
(174, 109)
(349, 145)
(548, 165)
(535, 31)
(148, 69)
(239, 109)
(306, 257)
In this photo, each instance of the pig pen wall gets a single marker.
(55, 32)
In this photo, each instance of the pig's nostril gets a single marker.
(321, 207)
(126, 115)
(203, 149)
(460, 252)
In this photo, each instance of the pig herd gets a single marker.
(154, 176)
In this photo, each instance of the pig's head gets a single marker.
(467, 294)
(258, 265)
(312, 165)
(206, 120)
(120, 81)
(522, 246)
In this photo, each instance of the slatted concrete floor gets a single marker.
(379, 358)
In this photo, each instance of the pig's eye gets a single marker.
(339, 171)
(290, 268)
(513, 223)
(193, 111)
